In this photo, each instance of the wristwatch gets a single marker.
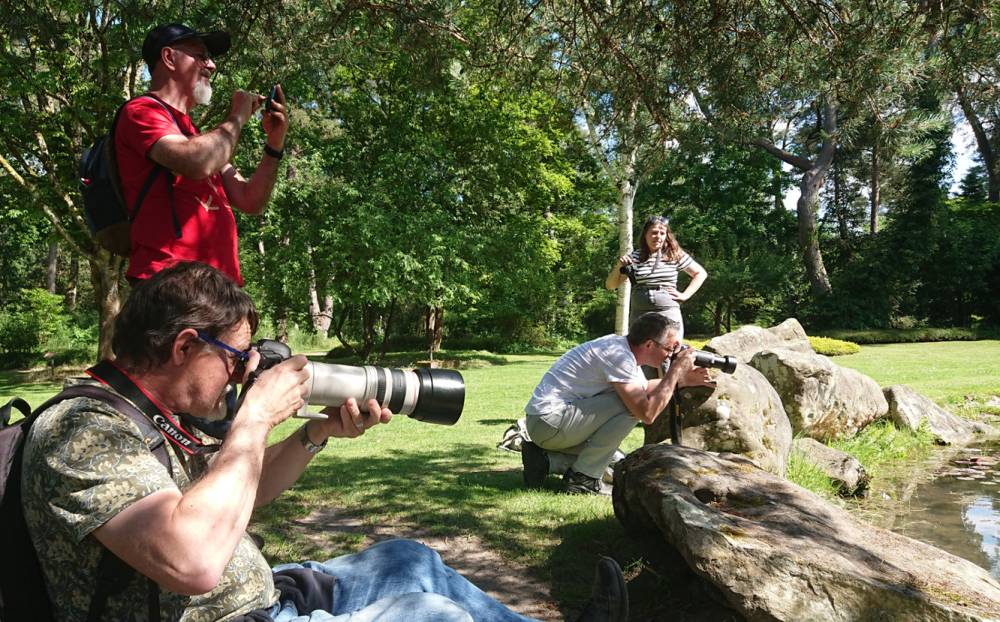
(310, 446)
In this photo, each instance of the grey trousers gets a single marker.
(592, 429)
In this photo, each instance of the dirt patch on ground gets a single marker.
(502, 579)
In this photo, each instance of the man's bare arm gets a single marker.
(198, 157)
(646, 404)
(251, 196)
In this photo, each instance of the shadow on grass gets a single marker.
(463, 492)
(12, 381)
(459, 359)
(660, 584)
(489, 422)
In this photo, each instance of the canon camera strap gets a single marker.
(109, 374)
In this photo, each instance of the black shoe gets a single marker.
(580, 484)
(609, 596)
(536, 464)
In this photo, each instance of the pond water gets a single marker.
(954, 504)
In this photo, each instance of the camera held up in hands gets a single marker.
(724, 363)
(629, 271)
(431, 395)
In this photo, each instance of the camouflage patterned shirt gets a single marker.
(84, 463)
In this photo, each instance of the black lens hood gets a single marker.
(442, 396)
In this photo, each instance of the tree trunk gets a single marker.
(434, 328)
(876, 191)
(105, 278)
(779, 196)
(983, 144)
(52, 266)
(320, 315)
(806, 208)
(717, 316)
(626, 199)
(281, 308)
(838, 201)
(368, 319)
(387, 329)
(327, 312)
(73, 284)
(808, 204)
(623, 170)
(813, 174)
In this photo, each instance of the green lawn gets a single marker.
(453, 480)
(946, 371)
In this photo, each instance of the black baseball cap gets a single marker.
(217, 41)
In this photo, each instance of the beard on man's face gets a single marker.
(202, 93)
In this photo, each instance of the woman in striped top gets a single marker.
(657, 262)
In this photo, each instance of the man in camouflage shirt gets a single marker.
(90, 482)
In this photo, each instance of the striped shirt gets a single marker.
(653, 273)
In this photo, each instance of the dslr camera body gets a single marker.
(629, 271)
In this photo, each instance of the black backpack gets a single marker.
(23, 595)
(104, 205)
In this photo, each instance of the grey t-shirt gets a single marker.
(585, 371)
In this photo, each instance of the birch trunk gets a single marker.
(626, 200)
(52, 266)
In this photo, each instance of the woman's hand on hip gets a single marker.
(675, 294)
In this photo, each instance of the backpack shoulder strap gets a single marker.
(150, 434)
(15, 404)
(112, 573)
(113, 157)
(169, 110)
(157, 167)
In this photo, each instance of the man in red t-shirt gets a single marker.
(187, 213)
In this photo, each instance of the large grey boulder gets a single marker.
(823, 400)
(778, 552)
(909, 410)
(844, 469)
(748, 340)
(742, 414)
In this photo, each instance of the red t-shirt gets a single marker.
(207, 224)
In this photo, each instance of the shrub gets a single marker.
(35, 324)
(833, 347)
(914, 335)
(30, 322)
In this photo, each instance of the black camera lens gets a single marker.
(724, 363)
(629, 271)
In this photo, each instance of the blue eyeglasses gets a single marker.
(241, 356)
(657, 220)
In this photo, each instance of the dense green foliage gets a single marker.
(457, 172)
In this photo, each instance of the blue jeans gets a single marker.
(397, 580)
